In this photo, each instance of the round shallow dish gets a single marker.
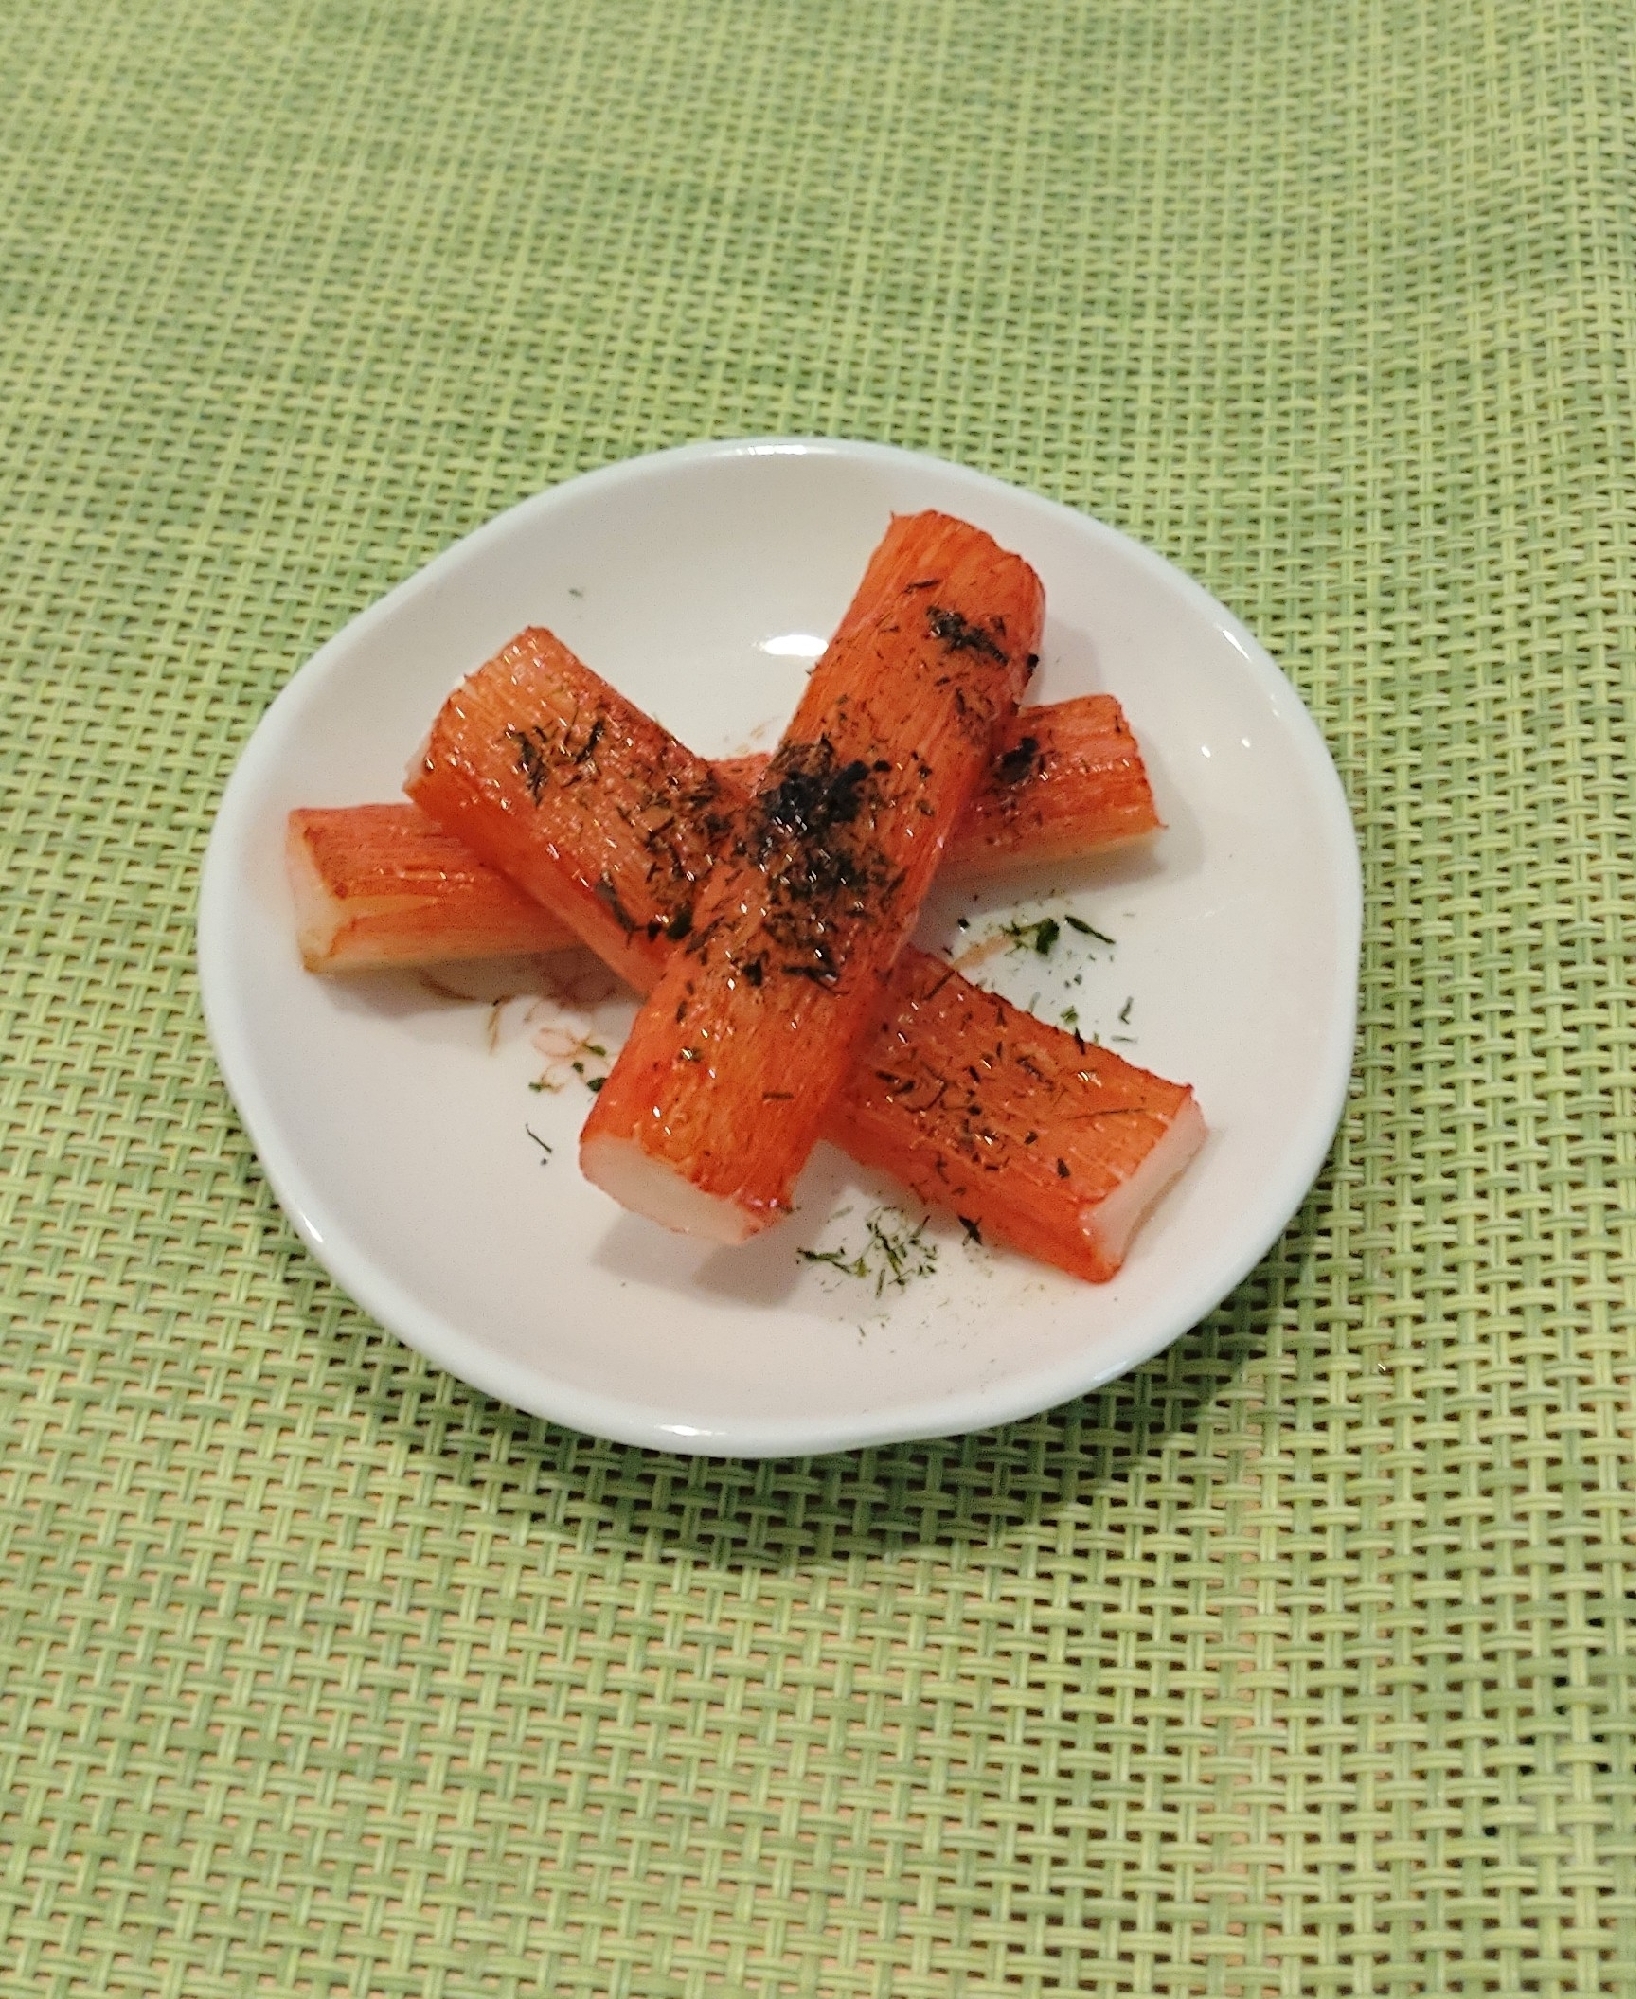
(420, 1131)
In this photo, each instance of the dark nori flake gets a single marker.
(607, 894)
(542, 750)
(1018, 761)
(1040, 937)
(813, 795)
(532, 746)
(954, 634)
(810, 830)
(821, 974)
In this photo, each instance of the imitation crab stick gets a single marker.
(1047, 1141)
(722, 1087)
(594, 841)
(381, 885)
(1068, 779)
(542, 770)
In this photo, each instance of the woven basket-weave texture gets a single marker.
(1303, 1661)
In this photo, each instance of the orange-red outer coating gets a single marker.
(731, 1066)
(1019, 1128)
(545, 772)
(1067, 780)
(381, 885)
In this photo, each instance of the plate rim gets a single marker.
(624, 1420)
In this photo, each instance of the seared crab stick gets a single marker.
(1067, 780)
(722, 1087)
(1037, 1137)
(593, 843)
(381, 885)
(560, 784)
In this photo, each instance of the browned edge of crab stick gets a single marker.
(722, 1088)
(1028, 1134)
(592, 844)
(380, 885)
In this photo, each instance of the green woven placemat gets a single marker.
(1301, 1661)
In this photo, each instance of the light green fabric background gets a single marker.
(1300, 1662)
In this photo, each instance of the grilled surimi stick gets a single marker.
(721, 1089)
(560, 784)
(381, 885)
(1048, 1142)
(589, 841)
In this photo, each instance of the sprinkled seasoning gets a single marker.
(681, 821)
(1018, 762)
(955, 634)
(894, 1252)
(811, 832)
(1040, 937)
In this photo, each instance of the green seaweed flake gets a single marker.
(1041, 936)
(894, 1252)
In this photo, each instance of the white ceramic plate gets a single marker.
(397, 1125)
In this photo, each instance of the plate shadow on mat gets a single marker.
(955, 1495)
